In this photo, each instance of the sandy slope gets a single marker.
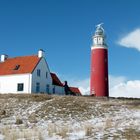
(43, 117)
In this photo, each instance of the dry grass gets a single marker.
(88, 129)
(130, 134)
(27, 134)
(32, 118)
(66, 108)
(31, 97)
(54, 129)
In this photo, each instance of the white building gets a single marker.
(29, 74)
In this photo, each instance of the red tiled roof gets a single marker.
(56, 80)
(75, 90)
(26, 65)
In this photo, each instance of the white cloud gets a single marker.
(126, 89)
(131, 40)
(119, 86)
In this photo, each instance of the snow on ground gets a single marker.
(69, 118)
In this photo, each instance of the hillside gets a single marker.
(44, 117)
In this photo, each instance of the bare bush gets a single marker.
(32, 118)
(2, 112)
(19, 121)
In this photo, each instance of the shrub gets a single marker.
(19, 121)
(2, 112)
(32, 118)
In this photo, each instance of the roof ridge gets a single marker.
(20, 56)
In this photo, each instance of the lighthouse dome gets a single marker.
(99, 30)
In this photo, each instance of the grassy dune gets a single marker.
(44, 117)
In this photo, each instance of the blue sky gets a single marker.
(64, 29)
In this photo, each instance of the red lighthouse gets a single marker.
(99, 64)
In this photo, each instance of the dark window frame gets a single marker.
(46, 74)
(38, 72)
(54, 90)
(48, 88)
(20, 87)
(16, 67)
(37, 87)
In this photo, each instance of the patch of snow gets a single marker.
(1, 137)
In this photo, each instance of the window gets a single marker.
(48, 89)
(106, 79)
(38, 72)
(16, 67)
(46, 74)
(54, 90)
(20, 87)
(37, 87)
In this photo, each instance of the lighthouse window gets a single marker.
(105, 79)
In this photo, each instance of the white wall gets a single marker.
(42, 79)
(8, 83)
